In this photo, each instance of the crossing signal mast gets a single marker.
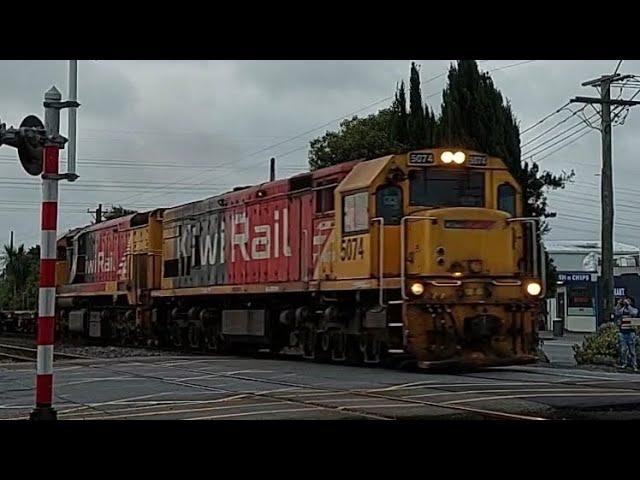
(38, 146)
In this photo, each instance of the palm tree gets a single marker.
(17, 268)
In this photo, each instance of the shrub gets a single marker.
(603, 347)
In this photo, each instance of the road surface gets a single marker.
(229, 388)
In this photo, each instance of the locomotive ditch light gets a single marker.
(457, 274)
(534, 288)
(417, 289)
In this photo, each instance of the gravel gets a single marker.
(108, 352)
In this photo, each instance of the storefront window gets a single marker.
(580, 301)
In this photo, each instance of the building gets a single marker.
(578, 262)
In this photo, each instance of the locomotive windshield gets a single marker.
(438, 187)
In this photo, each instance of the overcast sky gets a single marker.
(159, 133)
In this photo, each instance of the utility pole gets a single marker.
(11, 242)
(272, 169)
(98, 213)
(606, 186)
(73, 96)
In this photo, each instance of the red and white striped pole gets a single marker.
(47, 295)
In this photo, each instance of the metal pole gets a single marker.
(607, 204)
(73, 96)
(47, 293)
(272, 170)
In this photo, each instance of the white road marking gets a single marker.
(288, 410)
(534, 395)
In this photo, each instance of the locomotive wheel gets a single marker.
(122, 335)
(175, 335)
(325, 341)
(322, 344)
(211, 339)
(138, 336)
(353, 355)
(194, 336)
(338, 344)
(370, 348)
(308, 341)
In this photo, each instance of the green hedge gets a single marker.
(601, 348)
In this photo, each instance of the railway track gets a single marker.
(21, 353)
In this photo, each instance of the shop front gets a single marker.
(576, 301)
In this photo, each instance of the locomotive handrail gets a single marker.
(534, 222)
(403, 253)
(380, 259)
(305, 271)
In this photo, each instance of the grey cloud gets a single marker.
(217, 114)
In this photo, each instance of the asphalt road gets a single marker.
(226, 388)
(560, 351)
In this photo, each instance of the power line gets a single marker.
(544, 119)
(511, 65)
(617, 67)
(333, 121)
(533, 149)
(553, 127)
(282, 142)
(565, 145)
(528, 153)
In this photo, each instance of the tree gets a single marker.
(19, 277)
(417, 126)
(118, 211)
(400, 116)
(390, 130)
(475, 116)
(358, 138)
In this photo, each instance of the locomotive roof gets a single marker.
(363, 174)
(280, 185)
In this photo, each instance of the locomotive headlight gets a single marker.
(459, 158)
(534, 289)
(417, 289)
(447, 157)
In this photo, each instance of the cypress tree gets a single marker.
(417, 125)
(399, 109)
(474, 115)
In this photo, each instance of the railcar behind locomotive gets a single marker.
(422, 256)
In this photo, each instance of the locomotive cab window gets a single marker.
(439, 187)
(507, 199)
(355, 213)
(324, 198)
(389, 204)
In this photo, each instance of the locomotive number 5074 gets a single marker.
(352, 249)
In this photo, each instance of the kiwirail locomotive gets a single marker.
(423, 256)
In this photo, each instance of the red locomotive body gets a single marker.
(105, 273)
(264, 238)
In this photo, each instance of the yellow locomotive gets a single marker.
(422, 257)
(440, 234)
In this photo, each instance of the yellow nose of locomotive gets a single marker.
(462, 243)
